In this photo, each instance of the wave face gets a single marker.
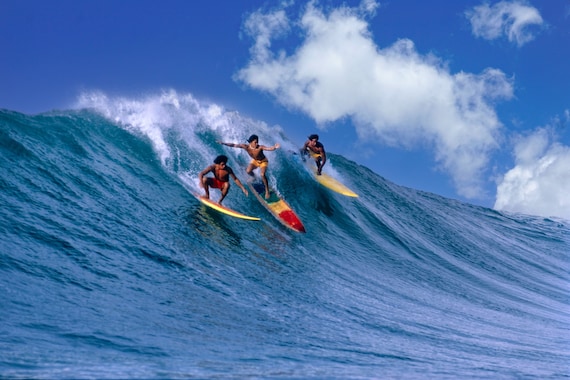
(110, 268)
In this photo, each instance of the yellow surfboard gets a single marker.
(327, 181)
(223, 209)
(334, 184)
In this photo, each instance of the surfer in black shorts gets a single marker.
(221, 179)
(258, 159)
(316, 150)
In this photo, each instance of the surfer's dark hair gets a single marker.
(221, 158)
(252, 137)
(311, 137)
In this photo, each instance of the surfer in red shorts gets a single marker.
(221, 179)
(317, 151)
(259, 160)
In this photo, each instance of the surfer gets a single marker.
(317, 150)
(221, 179)
(259, 160)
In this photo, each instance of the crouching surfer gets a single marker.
(221, 179)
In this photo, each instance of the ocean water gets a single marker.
(110, 268)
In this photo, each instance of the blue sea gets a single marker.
(111, 269)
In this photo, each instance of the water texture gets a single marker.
(110, 268)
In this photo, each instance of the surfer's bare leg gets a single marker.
(264, 179)
(224, 192)
(249, 170)
(206, 186)
(319, 165)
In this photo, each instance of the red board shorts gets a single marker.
(216, 183)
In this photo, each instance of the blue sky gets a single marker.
(466, 99)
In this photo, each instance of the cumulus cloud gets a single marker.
(539, 184)
(394, 95)
(512, 19)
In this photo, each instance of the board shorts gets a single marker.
(316, 156)
(259, 163)
(215, 183)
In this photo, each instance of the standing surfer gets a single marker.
(259, 160)
(316, 150)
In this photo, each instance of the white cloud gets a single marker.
(510, 18)
(394, 95)
(539, 184)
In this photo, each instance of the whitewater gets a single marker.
(110, 268)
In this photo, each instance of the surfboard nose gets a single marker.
(292, 220)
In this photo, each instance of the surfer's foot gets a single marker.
(267, 195)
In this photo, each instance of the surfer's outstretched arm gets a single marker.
(233, 145)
